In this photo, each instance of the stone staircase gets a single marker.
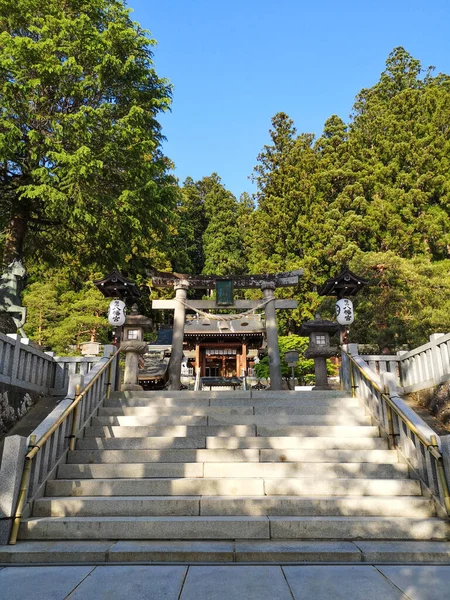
(220, 477)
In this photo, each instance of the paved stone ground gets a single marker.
(230, 582)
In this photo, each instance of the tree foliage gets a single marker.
(63, 314)
(85, 184)
(212, 228)
(81, 168)
(374, 189)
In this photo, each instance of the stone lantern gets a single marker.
(319, 348)
(133, 346)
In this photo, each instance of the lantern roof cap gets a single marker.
(134, 319)
(344, 284)
(319, 325)
(116, 285)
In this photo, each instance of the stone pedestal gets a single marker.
(132, 350)
(272, 336)
(320, 356)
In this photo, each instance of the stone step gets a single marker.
(127, 471)
(135, 443)
(394, 506)
(161, 487)
(233, 402)
(232, 487)
(340, 431)
(279, 420)
(285, 443)
(117, 431)
(224, 455)
(124, 528)
(357, 528)
(233, 528)
(238, 394)
(141, 506)
(214, 411)
(167, 456)
(233, 443)
(313, 471)
(151, 411)
(300, 469)
(325, 456)
(245, 551)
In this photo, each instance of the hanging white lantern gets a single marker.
(117, 313)
(344, 312)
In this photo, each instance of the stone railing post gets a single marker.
(108, 351)
(179, 316)
(436, 361)
(11, 468)
(16, 358)
(272, 336)
(74, 381)
(346, 378)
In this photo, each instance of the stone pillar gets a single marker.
(197, 356)
(345, 374)
(320, 369)
(181, 289)
(11, 468)
(132, 349)
(272, 336)
(244, 358)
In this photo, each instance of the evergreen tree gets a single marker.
(377, 185)
(81, 167)
(62, 314)
(222, 238)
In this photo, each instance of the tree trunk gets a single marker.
(15, 237)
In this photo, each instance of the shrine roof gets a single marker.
(244, 325)
(344, 284)
(115, 285)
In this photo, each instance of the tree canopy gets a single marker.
(85, 185)
(375, 189)
(81, 167)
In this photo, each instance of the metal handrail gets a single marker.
(393, 406)
(35, 447)
(431, 444)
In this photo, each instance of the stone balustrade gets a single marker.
(421, 368)
(26, 367)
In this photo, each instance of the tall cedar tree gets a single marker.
(377, 185)
(213, 228)
(81, 168)
(223, 237)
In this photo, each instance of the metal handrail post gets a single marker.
(73, 431)
(442, 476)
(22, 493)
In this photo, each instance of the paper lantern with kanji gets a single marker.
(344, 312)
(117, 313)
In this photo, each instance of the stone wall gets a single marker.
(14, 404)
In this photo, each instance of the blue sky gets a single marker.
(234, 64)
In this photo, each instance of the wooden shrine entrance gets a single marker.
(224, 287)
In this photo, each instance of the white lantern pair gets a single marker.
(117, 313)
(344, 312)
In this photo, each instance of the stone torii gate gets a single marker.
(224, 287)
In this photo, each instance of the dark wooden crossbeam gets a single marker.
(163, 280)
